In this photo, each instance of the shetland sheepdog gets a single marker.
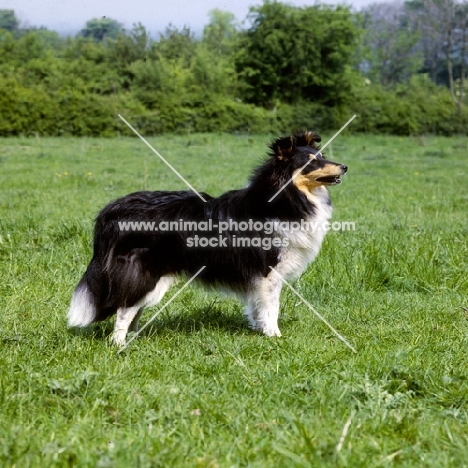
(280, 217)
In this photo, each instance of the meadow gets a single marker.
(198, 388)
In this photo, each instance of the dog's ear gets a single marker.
(283, 147)
(308, 139)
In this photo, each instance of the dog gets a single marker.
(133, 268)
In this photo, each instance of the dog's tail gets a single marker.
(92, 301)
(83, 309)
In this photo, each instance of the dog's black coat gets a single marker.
(126, 265)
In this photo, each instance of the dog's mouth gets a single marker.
(330, 180)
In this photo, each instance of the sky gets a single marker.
(69, 16)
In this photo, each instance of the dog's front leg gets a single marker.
(125, 317)
(263, 305)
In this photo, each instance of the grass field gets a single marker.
(199, 389)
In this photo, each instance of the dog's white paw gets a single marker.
(118, 338)
(271, 331)
(268, 330)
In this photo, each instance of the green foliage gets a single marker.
(221, 32)
(415, 108)
(50, 40)
(126, 50)
(393, 46)
(284, 73)
(8, 20)
(444, 28)
(175, 44)
(285, 57)
(212, 75)
(100, 29)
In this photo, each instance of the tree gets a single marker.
(101, 29)
(164, 75)
(291, 54)
(445, 22)
(126, 50)
(424, 18)
(455, 23)
(175, 44)
(463, 22)
(221, 32)
(8, 20)
(393, 47)
(50, 39)
(213, 71)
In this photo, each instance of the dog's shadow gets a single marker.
(213, 317)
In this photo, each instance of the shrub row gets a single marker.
(420, 107)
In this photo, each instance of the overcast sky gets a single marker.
(69, 16)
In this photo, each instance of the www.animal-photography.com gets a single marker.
(233, 234)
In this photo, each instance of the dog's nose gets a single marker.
(344, 168)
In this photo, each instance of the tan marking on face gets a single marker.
(307, 182)
(303, 184)
(312, 157)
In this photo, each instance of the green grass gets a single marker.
(200, 389)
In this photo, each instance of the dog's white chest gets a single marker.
(304, 243)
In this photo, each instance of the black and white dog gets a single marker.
(133, 268)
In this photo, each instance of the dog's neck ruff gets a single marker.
(304, 243)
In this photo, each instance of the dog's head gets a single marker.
(302, 156)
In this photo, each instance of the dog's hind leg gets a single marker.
(263, 305)
(134, 324)
(127, 318)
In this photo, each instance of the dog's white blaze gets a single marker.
(304, 245)
(82, 311)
